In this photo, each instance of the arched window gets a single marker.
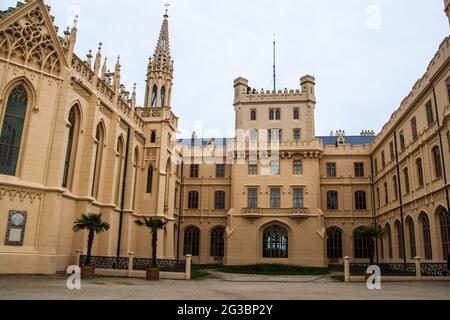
(332, 200)
(12, 129)
(136, 169)
(193, 200)
(401, 248)
(163, 96)
(99, 143)
(218, 242)
(219, 200)
(154, 95)
(412, 237)
(72, 141)
(119, 151)
(426, 235)
(388, 234)
(192, 241)
(275, 242)
(150, 179)
(437, 161)
(444, 223)
(360, 200)
(420, 177)
(334, 243)
(361, 244)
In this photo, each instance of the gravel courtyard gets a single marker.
(217, 286)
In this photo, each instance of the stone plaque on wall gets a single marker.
(15, 230)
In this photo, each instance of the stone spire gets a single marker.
(160, 71)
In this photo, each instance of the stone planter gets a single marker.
(87, 272)
(152, 274)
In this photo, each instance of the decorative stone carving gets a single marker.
(105, 110)
(12, 193)
(29, 40)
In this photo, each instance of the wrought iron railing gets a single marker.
(139, 264)
(118, 263)
(165, 265)
(387, 269)
(434, 269)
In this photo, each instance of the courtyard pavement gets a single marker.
(216, 287)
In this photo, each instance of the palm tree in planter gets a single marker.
(371, 233)
(94, 224)
(153, 225)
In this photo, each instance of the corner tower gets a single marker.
(158, 90)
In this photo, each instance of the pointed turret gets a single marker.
(160, 71)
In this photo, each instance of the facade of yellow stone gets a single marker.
(73, 141)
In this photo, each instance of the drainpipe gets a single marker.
(400, 196)
(124, 184)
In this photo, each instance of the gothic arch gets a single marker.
(442, 218)
(30, 105)
(29, 87)
(73, 122)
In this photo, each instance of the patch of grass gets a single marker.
(198, 274)
(205, 266)
(276, 270)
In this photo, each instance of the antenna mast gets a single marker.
(274, 64)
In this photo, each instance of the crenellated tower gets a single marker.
(158, 90)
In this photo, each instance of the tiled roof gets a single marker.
(327, 141)
(221, 142)
(352, 140)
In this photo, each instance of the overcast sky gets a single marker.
(365, 55)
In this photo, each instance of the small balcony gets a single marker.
(294, 213)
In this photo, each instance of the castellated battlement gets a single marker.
(245, 93)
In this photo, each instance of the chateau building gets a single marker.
(74, 141)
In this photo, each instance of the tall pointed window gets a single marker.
(136, 169)
(444, 223)
(119, 168)
(163, 96)
(154, 96)
(401, 248)
(412, 237)
(426, 235)
(388, 234)
(99, 143)
(72, 140)
(12, 129)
